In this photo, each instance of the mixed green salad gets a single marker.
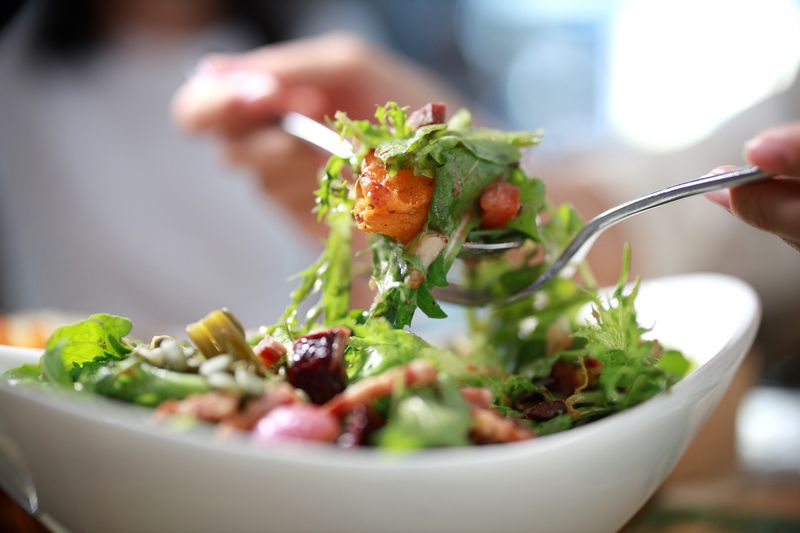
(420, 186)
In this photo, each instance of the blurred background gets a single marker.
(106, 206)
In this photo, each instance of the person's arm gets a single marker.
(773, 205)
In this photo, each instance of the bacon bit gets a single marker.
(594, 368)
(567, 378)
(432, 113)
(269, 350)
(545, 410)
(396, 206)
(488, 427)
(208, 407)
(415, 373)
(256, 408)
(499, 203)
(478, 396)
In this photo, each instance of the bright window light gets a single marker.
(680, 68)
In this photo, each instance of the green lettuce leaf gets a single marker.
(432, 417)
(100, 337)
(376, 346)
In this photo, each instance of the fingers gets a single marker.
(776, 150)
(286, 167)
(226, 100)
(721, 197)
(773, 206)
(233, 93)
(324, 60)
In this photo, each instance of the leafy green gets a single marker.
(674, 363)
(140, 383)
(460, 179)
(24, 374)
(432, 417)
(331, 274)
(98, 337)
(531, 197)
(53, 367)
(396, 300)
(631, 370)
(376, 346)
(96, 340)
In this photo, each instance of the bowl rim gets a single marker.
(137, 419)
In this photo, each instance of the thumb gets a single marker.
(776, 150)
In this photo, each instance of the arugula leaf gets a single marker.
(460, 179)
(427, 304)
(631, 370)
(396, 301)
(392, 124)
(330, 275)
(617, 328)
(431, 417)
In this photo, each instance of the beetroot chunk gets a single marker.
(316, 364)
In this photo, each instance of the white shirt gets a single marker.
(106, 207)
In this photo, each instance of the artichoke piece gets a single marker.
(220, 332)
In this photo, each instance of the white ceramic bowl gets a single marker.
(95, 465)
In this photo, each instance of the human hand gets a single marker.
(772, 205)
(237, 98)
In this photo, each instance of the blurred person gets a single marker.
(238, 98)
(104, 206)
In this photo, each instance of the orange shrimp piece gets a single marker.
(396, 206)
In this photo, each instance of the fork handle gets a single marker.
(704, 184)
(586, 237)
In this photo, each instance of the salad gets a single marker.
(420, 186)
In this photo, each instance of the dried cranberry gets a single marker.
(359, 425)
(316, 364)
(545, 410)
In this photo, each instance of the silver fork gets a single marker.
(321, 136)
(577, 249)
